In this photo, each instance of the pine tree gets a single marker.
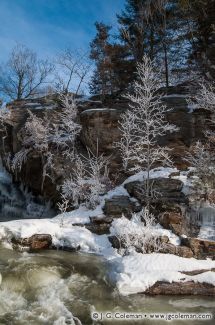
(100, 82)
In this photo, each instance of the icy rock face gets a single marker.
(17, 203)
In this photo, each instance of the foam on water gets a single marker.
(51, 287)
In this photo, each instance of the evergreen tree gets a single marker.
(100, 82)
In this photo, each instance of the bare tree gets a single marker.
(23, 74)
(87, 182)
(74, 68)
(143, 125)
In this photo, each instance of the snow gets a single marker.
(192, 107)
(99, 110)
(80, 216)
(175, 96)
(134, 228)
(137, 272)
(62, 234)
(154, 173)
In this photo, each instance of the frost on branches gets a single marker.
(202, 155)
(44, 136)
(89, 180)
(143, 124)
(203, 160)
(137, 233)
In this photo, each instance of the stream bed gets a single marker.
(53, 286)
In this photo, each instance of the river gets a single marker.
(51, 286)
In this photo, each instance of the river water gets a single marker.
(49, 287)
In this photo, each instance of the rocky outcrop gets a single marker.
(174, 221)
(120, 205)
(100, 126)
(166, 191)
(201, 248)
(33, 243)
(31, 174)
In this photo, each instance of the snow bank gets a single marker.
(65, 235)
(137, 272)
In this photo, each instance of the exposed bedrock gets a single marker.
(100, 126)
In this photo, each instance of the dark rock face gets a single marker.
(100, 126)
(120, 205)
(31, 173)
(33, 243)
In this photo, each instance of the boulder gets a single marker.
(33, 243)
(201, 248)
(120, 205)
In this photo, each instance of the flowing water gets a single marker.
(53, 286)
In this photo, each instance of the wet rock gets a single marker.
(201, 248)
(68, 248)
(120, 205)
(115, 242)
(35, 242)
(181, 288)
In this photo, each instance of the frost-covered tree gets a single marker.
(202, 158)
(88, 181)
(202, 155)
(139, 233)
(143, 124)
(65, 128)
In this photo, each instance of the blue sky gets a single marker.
(48, 26)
